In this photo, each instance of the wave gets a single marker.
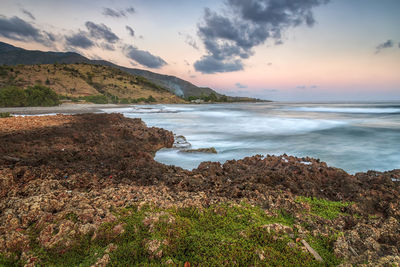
(368, 110)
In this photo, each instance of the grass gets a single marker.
(9, 261)
(223, 234)
(324, 208)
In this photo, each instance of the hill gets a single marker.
(94, 83)
(11, 55)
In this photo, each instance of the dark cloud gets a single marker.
(101, 31)
(130, 10)
(113, 13)
(387, 44)
(79, 40)
(107, 46)
(189, 40)
(130, 30)
(230, 37)
(144, 57)
(51, 36)
(209, 65)
(29, 14)
(241, 86)
(20, 30)
(117, 13)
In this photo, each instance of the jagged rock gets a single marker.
(154, 248)
(181, 142)
(103, 261)
(75, 170)
(277, 228)
(210, 150)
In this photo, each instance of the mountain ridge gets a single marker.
(11, 55)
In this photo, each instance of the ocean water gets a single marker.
(354, 137)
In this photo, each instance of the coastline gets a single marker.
(67, 175)
(65, 108)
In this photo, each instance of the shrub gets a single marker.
(41, 96)
(96, 99)
(5, 114)
(12, 96)
(150, 99)
(37, 95)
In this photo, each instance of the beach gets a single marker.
(65, 108)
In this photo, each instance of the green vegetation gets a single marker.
(209, 98)
(324, 246)
(33, 96)
(324, 208)
(108, 98)
(223, 234)
(9, 261)
(143, 81)
(5, 114)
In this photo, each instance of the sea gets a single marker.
(355, 137)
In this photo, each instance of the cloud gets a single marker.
(241, 86)
(231, 35)
(387, 44)
(209, 65)
(189, 40)
(109, 12)
(101, 31)
(50, 36)
(113, 13)
(304, 87)
(107, 46)
(29, 14)
(144, 58)
(20, 30)
(130, 10)
(130, 30)
(270, 91)
(79, 40)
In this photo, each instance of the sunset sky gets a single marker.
(284, 50)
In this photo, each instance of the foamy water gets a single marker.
(354, 137)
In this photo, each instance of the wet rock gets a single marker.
(210, 150)
(181, 142)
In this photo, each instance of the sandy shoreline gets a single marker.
(63, 108)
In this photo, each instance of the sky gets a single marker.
(282, 50)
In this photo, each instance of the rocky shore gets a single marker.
(66, 176)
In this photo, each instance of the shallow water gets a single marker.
(354, 137)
